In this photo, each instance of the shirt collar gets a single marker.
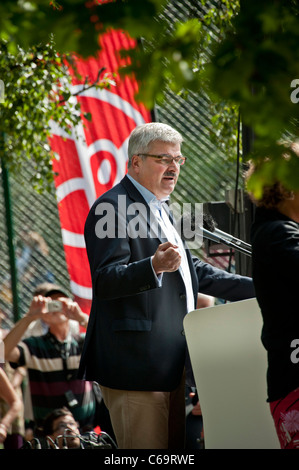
(149, 197)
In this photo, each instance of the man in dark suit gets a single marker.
(144, 283)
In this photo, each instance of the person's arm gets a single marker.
(15, 404)
(18, 377)
(221, 284)
(37, 310)
(204, 301)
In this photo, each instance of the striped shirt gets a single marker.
(52, 369)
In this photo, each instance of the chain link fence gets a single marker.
(39, 254)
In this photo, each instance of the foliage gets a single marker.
(256, 66)
(25, 23)
(174, 55)
(243, 55)
(169, 56)
(37, 90)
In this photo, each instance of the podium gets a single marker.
(229, 364)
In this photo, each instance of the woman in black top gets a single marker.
(275, 264)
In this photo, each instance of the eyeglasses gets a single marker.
(165, 159)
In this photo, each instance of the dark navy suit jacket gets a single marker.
(135, 338)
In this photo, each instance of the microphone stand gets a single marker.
(216, 238)
(232, 239)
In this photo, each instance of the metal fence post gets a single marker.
(10, 234)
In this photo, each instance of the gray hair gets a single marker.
(144, 135)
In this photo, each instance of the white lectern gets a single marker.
(229, 365)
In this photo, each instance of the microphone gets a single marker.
(210, 224)
(38, 444)
(53, 442)
(210, 234)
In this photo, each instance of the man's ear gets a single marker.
(135, 163)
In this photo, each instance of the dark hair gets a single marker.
(272, 196)
(276, 192)
(51, 417)
(46, 289)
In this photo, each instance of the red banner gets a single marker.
(94, 158)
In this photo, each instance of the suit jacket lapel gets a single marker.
(149, 219)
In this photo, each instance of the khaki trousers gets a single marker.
(147, 420)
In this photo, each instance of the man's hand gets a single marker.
(167, 258)
(38, 308)
(72, 311)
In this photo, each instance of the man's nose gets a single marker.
(174, 164)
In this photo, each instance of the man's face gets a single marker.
(67, 428)
(154, 176)
(54, 318)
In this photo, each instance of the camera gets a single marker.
(54, 306)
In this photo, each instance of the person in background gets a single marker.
(52, 359)
(60, 430)
(275, 268)
(15, 436)
(15, 405)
